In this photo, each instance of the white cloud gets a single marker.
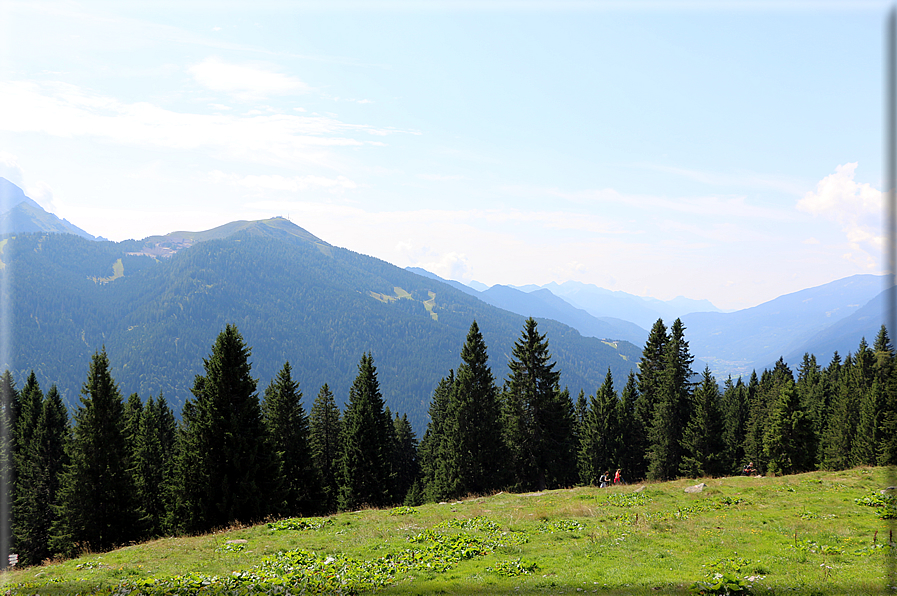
(10, 169)
(283, 183)
(245, 82)
(856, 207)
(440, 177)
(39, 191)
(63, 110)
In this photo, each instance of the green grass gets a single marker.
(804, 534)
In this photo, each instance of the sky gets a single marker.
(729, 151)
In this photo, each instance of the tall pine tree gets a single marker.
(154, 447)
(538, 417)
(671, 410)
(365, 463)
(39, 477)
(702, 440)
(324, 440)
(650, 377)
(226, 470)
(599, 444)
(472, 426)
(288, 430)
(439, 481)
(96, 496)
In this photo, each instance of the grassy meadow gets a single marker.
(814, 533)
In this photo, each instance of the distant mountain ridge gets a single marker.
(821, 320)
(23, 215)
(756, 337)
(543, 303)
(292, 296)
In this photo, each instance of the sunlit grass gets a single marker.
(800, 534)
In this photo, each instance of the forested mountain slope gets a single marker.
(292, 296)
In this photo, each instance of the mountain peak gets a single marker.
(275, 227)
(22, 215)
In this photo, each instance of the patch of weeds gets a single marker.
(231, 547)
(807, 514)
(403, 510)
(300, 571)
(728, 565)
(479, 523)
(560, 525)
(91, 565)
(885, 504)
(513, 568)
(299, 523)
(811, 546)
(724, 578)
(722, 584)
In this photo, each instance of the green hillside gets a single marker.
(818, 533)
(292, 296)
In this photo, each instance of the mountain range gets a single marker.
(157, 304)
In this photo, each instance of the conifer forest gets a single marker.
(124, 469)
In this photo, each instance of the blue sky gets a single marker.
(722, 150)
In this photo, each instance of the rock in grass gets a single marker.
(696, 488)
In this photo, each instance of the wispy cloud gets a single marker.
(783, 184)
(705, 206)
(283, 183)
(64, 110)
(245, 82)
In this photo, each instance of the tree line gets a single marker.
(122, 470)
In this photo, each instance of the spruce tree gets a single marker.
(702, 440)
(650, 375)
(472, 425)
(405, 464)
(734, 406)
(538, 416)
(27, 410)
(629, 457)
(133, 413)
(9, 400)
(788, 432)
(154, 447)
(39, 480)
(438, 480)
(288, 430)
(365, 468)
(324, 440)
(226, 470)
(671, 410)
(755, 424)
(30, 403)
(811, 393)
(96, 496)
(598, 449)
(842, 419)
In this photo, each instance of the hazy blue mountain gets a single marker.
(600, 302)
(293, 297)
(543, 304)
(23, 215)
(455, 284)
(741, 341)
(844, 335)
